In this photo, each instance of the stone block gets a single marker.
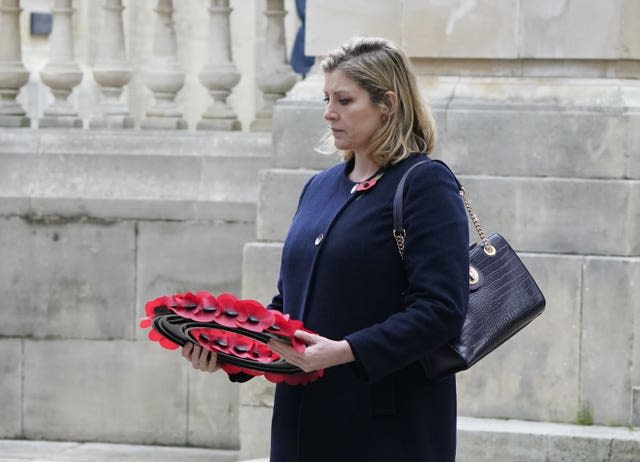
(179, 257)
(11, 388)
(484, 446)
(494, 440)
(610, 296)
(279, 194)
(535, 143)
(11, 205)
(257, 392)
(255, 437)
(476, 29)
(299, 127)
(137, 209)
(558, 215)
(378, 19)
(535, 374)
(21, 450)
(624, 450)
(564, 30)
(260, 270)
(213, 411)
(630, 35)
(67, 279)
(633, 146)
(118, 391)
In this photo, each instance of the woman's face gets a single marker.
(352, 117)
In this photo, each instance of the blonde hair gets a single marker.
(379, 66)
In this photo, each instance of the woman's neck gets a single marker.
(363, 168)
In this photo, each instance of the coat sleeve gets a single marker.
(436, 263)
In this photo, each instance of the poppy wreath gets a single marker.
(236, 330)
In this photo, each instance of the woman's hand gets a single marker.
(320, 353)
(200, 358)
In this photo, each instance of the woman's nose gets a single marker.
(329, 113)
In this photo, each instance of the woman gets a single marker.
(376, 314)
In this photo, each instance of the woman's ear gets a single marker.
(391, 100)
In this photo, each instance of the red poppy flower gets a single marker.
(150, 306)
(230, 311)
(282, 325)
(255, 317)
(156, 336)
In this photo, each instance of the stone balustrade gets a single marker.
(163, 74)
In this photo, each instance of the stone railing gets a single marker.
(162, 72)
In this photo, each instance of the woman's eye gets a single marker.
(344, 101)
(326, 99)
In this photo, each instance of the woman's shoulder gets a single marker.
(427, 172)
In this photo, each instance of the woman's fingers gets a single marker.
(186, 351)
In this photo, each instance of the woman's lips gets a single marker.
(335, 130)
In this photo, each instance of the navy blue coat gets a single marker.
(341, 274)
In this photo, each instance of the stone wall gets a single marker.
(93, 224)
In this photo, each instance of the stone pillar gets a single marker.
(164, 75)
(13, 74)
(275, 76)
(111, 70)
(61, 73)
(220, 75)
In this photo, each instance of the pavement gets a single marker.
(57, 451)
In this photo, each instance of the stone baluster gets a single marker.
(164, 75)
(220, 75)
(275, 76)
(61, 73)
(13, 74)
(111, 70)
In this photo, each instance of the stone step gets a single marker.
(131, 174)
(574, 216)
(493, 440)
(26, 450)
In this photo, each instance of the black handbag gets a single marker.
(503, 297)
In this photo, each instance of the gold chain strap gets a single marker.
(399, 237)
(488, 248)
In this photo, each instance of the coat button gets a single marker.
(319, 238)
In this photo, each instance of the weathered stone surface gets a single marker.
(633, 146)
(558, 215)
(380, 19)
(478, 29)
(108, 175)
(11, 388)
(50, 451)
(177, 257)
(257, 392)
(260, 270)
(534, 375)
(279, 194)
(213, 411)
(299, 127)
(119, 391)
(490, 440)
(136, 209)
(636, 400)
(255, 438)
(535, 143)
(63, 279)
(610, 305)
(564, 30)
